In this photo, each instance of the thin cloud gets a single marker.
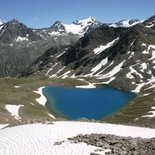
(35, 19)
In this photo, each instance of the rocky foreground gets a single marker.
(118, 145)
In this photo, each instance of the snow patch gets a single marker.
(20, 39)
(99, 74)
(61, 54)
(86, 86)
(145, 52)
(151, 82)
(54, 33)
(90, 85)
(143, 67)
(65, 75)
(129, 75)
(153, 52)
(149, 26)
(13, 109)
(11, 45)
(146, 94)
(143, 44)
(132, 70)
(115, 70)
(51, 116)
(72, 28)
(42, 99)
(16, 86)
(138, 88)
(132, 54)
(101, 48)
(150, 87)
(151, 113)
(51, 69)
(102, 63)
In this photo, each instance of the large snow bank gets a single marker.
(39, 139)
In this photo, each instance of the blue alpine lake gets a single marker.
(94, 103)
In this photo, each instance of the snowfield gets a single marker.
(40, 139)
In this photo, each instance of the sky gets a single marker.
(43, 13)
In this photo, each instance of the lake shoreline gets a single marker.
(51, 101)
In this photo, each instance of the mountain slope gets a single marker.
(20, 46)
(115, 55)
(16, 31)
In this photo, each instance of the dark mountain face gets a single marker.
(58, 27)
(14, 30)
(115, 55)
(20, 46)
(84, 47)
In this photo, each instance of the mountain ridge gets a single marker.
(19, 42)
(120, 57)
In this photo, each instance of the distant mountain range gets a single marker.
(15, 31)
(20, 46)
(116, 53)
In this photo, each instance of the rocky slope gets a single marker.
(117, 145)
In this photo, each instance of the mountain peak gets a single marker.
(79, 27)
(57, 28)
(126, 23)
(88, 20)
(14, 21)
(2, 22)
(57, 23)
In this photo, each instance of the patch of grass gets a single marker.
(24, 95)
(132, 113)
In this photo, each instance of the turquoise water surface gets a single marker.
(93, 103)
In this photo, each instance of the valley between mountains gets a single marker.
(86, 53)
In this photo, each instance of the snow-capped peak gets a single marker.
(57, 23)
(58, 27)
(2, 22)
(86, 21)
(126, 23)
(82, 26)
(79, 27)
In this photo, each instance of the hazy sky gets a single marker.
(42, 13)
